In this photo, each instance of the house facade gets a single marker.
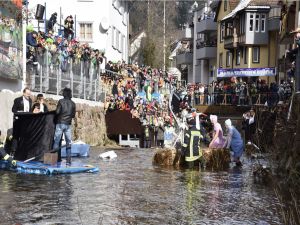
(205, 44)
(248, 39)
(104, 24)
(197, 54)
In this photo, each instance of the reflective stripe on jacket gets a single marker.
(191, 145)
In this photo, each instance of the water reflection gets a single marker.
(130, 190)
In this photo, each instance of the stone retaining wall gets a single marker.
(88, 125)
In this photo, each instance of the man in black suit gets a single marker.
(23, 103)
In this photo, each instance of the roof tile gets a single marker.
(233, 3)
(264, 3)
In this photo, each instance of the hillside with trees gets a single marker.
(148, 16)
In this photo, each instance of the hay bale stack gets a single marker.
(216, 159)
(88, 125)
(167, 157)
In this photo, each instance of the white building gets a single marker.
(103, 24)
(198, 52)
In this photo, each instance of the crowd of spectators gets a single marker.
(60, 51)
(240, 93)
(144, 92)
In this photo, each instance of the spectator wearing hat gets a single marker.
(39, 105)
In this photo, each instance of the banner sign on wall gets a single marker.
(247, 72)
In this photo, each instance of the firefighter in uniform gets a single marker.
(191, 145)
(5, 156)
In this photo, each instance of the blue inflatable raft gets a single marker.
(34, 167)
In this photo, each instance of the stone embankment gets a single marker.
(88, 125)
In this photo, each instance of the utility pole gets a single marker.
(164, 35)
(297, 75)
(148, 16)
(297, 72)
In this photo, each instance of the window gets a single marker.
(198, 36)
(229, 29)
(263, 22)
(257, 19)
(225, 5)
(255, 55)
(86, 31)
(121, 44)
(242, 24)
(238, 57)
(124, 18)
(228, 58)
(123, 47)
(221, 60)
(117, 39)
(121, 9)
(245, 56)
(222, 28)
(251, 22)
(113, 36)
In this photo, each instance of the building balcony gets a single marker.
(206, 50)
(274, 19)
(242, 39)
(230, 42)
(186, 34)
(184, 58)
(206, 25)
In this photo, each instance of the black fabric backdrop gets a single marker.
(34, 134)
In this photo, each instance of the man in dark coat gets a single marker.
(52, 21)
(65, 112)
(23, 103)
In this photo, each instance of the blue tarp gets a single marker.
(34, 167)
(78, 149)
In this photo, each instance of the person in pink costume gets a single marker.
(218, 140)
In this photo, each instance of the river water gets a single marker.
(130, 190)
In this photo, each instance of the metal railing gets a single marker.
(232, 99)
(51, 77)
